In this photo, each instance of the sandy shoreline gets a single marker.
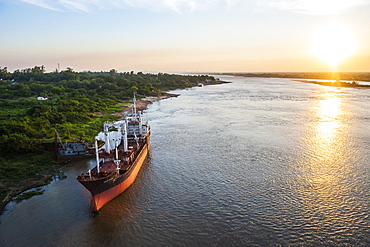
(143, 103)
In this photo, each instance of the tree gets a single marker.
(22, 90)
(112, 72)
(38, 69)
(4, 74)
(69, 69)
(133, 89)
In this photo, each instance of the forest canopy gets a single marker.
(34, 103)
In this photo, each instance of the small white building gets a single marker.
(41, 98)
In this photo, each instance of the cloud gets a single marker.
(300, 6)
(42, 3)
(155, 5)
(317, 7)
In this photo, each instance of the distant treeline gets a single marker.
(33, 103)
(350, 76)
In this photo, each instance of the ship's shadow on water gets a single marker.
(118, 217)
(259, 162)
(123, 206)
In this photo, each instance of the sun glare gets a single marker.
(334, 43)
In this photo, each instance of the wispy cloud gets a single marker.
(42, 3)
(318, 7)
(156, 5)
(299, 6)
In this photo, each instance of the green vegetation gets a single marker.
(28, 194)
(74, 103)
(24, 171)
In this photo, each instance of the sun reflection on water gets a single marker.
(325, 143)
(328, 117)
(324, 185)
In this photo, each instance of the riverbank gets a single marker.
(143, 103)
(348, 76)
(26, 172)
(9, 190)
(76, 104)
(336, 83)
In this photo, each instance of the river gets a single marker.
(257, 162)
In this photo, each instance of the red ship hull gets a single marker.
(117, 165)
(99, 200)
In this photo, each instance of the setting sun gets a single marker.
(334, 43)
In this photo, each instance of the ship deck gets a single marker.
(110, 166)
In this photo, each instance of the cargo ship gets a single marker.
(126, 147)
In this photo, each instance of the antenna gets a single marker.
(134, 109)
(97, 155)
(61, 143)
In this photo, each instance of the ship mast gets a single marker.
(140, 125)
(97, 155)
(124, 129)
(134, 108)
(106, 132)
(117, 161)
(61, 143)
(137, 116)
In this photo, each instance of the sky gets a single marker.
(186, 35)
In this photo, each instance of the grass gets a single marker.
(120, 107)
(23, 172)
(7, 113)
(27, 195)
